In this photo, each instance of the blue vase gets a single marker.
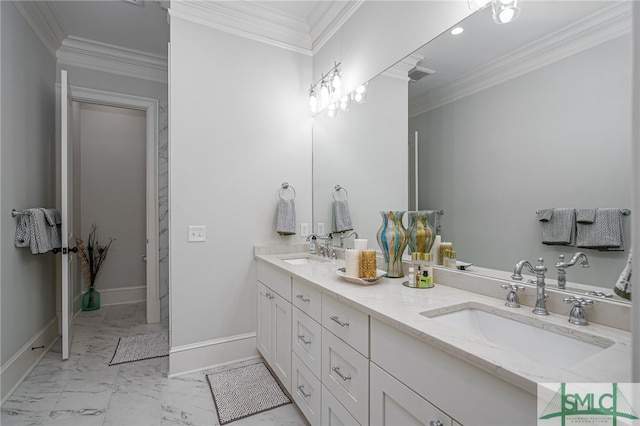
(392, 238)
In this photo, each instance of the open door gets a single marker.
(66, 211)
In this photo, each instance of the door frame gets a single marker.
(150, 106)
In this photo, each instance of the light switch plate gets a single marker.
(304, 229)
(197, 233)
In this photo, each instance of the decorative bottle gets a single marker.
(421, 233)
(392, 238)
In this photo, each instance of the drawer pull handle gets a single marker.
(435, 423)
(306, 395)
(269, 296)
(342, 376)
(301, 297)
(303, 340)
(342, 323)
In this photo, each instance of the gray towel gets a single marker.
(32, 231)
(54, 220)
(557, 227)
(623, 285)
(604, 234)
(286, 217)
(586, 215)
(341, 216)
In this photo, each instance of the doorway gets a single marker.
(128, 214)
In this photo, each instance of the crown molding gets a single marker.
(401, 69)
(43, 23)
(327, 18)
(257, 21)
(588, 33)
(98, 56)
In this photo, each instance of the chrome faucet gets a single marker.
(562, 266)
(577, 315)
(539, 270)
(343, 237)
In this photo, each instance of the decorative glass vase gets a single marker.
(421, 233)
(91, 300)
(392, 238)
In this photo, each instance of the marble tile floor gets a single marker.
(86, 391)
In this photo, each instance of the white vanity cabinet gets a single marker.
(392, 403)
(273, 328)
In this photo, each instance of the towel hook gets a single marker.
(336, 190)
(283, 189)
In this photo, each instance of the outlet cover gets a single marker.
(197, 233)
(304, 229)
(320, 228)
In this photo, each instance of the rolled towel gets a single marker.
(623, 285)
(286, 222)
(558, 228)
(341, 216)
(605, 233)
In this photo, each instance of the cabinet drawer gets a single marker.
(308, 299)
(392, 403)
(333, 413)
(345, 372)
(276, 279)
(306, 391)
(349, 324)
(306, 340)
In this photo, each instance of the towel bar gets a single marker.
(15, 213)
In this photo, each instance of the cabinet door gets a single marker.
(264, 315)
(333, 413)
(281, 334)
(392, 403)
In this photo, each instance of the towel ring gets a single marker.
(337, 190)
(283, 190)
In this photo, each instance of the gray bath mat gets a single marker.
(245, 391)
(144, 346)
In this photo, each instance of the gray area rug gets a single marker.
(144, 346)
(244, 391)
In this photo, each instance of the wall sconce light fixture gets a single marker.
(504, 11)
(327, 94)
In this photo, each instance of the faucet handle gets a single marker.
(578, 301)
(512, 297)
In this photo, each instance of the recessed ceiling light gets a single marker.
(457, 30)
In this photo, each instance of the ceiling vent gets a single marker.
(417, 72)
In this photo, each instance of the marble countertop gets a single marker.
(401, 307)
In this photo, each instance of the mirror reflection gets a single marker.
(510, 120)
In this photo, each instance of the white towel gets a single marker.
(558, 226)
(604, 234)
(32, 231)
(341, 216)
(286, 223)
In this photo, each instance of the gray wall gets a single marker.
(28, 291)
(112, 179)
(556, 137)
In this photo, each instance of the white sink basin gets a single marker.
(303, 261)
(549, 343)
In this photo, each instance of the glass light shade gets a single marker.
(313, 99)
(332, 111)
(337, 81)
(505, 11)
(344, 103)
(478, 4)
(360, 93)
(324, 93)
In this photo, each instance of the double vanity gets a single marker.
(386, 354)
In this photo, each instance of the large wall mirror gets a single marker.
(515, 118)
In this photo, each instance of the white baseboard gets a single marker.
(203, 355)
(18, 367)
(118, 296)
